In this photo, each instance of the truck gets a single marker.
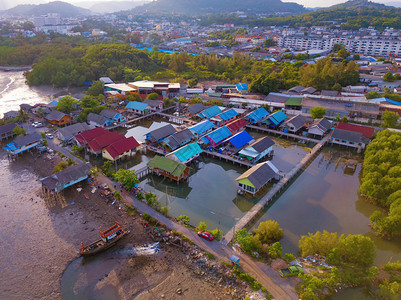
(291, 271)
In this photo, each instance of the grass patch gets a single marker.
(210, 255)
(131, 210)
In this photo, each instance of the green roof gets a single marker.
(173, 167)
(294, 101)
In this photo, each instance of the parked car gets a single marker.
(37, 124)
(49, 135)
(291, 271)
(206, 235)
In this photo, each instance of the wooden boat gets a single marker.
(107, 239)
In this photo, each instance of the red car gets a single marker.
(206, 235)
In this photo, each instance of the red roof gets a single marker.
(122, 146)
(236, 125)
(85, 137)
(97, 144)
(365, 130)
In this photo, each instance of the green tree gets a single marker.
(192, 82)
(96, 89)
(62, 165)
(390, 119)
(247, 242)
(317, 112)
(22, 116)
(357, 249)
(269, 43)
(343, 53)
(151, 199)
(184, 219)
(19, 130)
(153, 96)
(357, 56)
(126, 177)
(268, 232)
(389, 77)
(275, 250)
(372, 95)
(66, 104)
(318, 243)
(89, 102)
(165, 210)
(217, 234)
(28, 26)
(202, 226)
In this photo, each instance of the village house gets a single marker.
(349, 138)
(66, 134)
(258, 149)
(209, 112)
(157, 135)
(293, 103)
(319, 127)
(239, 140)
(138, 108)
(169, 168)
(121, 88)
(236, 125)
(217, 137)
(195, 109)
(12, 114)
(98, 120)
(178, 139)
(68, 177)
(23, 143)
(154, 105)
(202, 128)
(119, 149)
(164, 89)
(366, 131)
(224, 117)
(294, 124)
(83, 138)
(186, 154)
(58, 118)
(257, 116)
(96, 145)
(6, 131)
(257, 177)
(114, 116)
(275, 119)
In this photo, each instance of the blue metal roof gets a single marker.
(210, 112)
(278, 117)
(241, 86)
(188, 151)
(136, 105)
(219, 134)
(241, 139)
(228, 114)
(205, 140)
(54, 102)
(258, 114)
(202, 127)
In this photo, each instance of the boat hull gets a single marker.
(100, 245)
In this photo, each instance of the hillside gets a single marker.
(196, 7)
(65, 10)
(358, 4)
(110, 6)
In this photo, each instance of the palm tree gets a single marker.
(22, 116)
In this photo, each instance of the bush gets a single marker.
(210, 255)
(217, 233)
(289, 257)
(184, 219)
(153, 96)
(268, 232)
(256, 285)
(202, 226)
(62, 165)
(131, 210)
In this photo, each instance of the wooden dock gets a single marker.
(282, 134)
(258, 207)
(227, 158)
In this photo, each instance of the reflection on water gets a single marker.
(325, 197)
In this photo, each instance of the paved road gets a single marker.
(279, 287)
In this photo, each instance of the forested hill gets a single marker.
(65, 10)
(358, 4)
(199, 7)
(350, 17)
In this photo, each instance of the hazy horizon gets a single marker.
(6, 4)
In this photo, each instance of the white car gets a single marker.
(37, 124)
(49, 135)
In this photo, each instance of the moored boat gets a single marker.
(107, 239)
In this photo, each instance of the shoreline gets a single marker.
(16, 69)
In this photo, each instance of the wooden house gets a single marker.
(83, 138)
(96, 145)
(113, 116)
(319, 127)
(257, 177)
(349, 138)
(66, 134)
(224, 117)
(258, 150)
(169, 168)
(6, 131)
(157, 135)
(122, 148)
(68, 177)
(186, 154)
(209, 112)
(275, 119)
(257, 116)
(23, 143)
(154, 105)
(202, 128)
(236, 125)
(217, 136)
(178, 139)
(58, 118)
(98, 120)
(137, 107)
(294, 124)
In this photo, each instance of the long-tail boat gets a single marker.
(107, 239)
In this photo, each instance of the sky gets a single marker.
(5, 4)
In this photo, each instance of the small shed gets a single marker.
(256, 177)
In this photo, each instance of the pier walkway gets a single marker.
(281, 133)
(229, 158)
(258, 207)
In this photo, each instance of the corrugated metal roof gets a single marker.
(173, 167)
(228, 114)
(260, 174)
(240, 139)
(219, 134)
(136, 105)
(294, 101)
(202, 127)
(277, 117)
(258, 114)
(210, 112)
(188, 151)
